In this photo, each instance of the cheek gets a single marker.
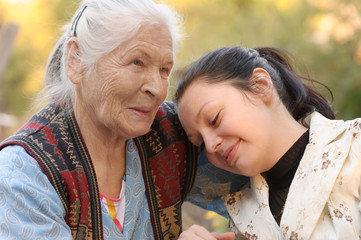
(165, 89)
(119, 84)
(97, 84)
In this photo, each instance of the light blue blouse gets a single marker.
(31, 208)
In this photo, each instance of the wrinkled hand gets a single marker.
(196, 232)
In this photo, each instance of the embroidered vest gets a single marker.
(52, 137)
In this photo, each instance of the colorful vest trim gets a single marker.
(52, 137)
(169, 163)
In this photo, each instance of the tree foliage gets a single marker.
(325, 35)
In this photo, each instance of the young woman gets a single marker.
(254, 116)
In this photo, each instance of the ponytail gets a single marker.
(53, 67)
(57, 86)
(299, 98)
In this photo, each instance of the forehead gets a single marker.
(195, 97)
(200, 94)
(201, 90)
(152, 37)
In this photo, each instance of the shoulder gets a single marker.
(21, 174)
(317, 119)
(21, 170)
(167, 122)
(324, 128)
(339, 137)
(166, 110)
(29, 203)
(15, 159)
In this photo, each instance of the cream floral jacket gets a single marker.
(324, 198)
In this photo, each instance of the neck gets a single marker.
(286, 131)
(101, 142)
(107, 152)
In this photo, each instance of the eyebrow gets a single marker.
(170, 63)
(143, 52)
(201, 108)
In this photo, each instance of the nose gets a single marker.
(154, 84)
(212, 141)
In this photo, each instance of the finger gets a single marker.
(196, 232)
(224, 236)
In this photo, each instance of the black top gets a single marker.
(280, 176)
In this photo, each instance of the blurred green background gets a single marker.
(324, 35)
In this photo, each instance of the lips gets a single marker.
(229, 155)
(142, 111)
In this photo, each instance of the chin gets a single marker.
(136, 128)
(130, 131)
(140, 132)
(238, 172)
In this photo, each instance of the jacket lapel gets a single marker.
(248, 210)
(308, 194)
(315, 177)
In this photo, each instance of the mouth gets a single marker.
(229, 155)
(141, 111)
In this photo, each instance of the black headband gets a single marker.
(76, 20)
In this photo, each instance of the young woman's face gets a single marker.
(234, 127)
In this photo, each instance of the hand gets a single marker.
(196, 232)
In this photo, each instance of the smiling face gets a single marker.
(126, 87)
(235, 128)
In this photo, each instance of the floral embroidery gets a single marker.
(325, 164)
(338, 213)
(294, 236)
(340, 180)
(262, 186)
(231, 200)
(249, 236)
(356, 124)
(300, 174)
(357, 129)
(318, 163)
(254, 237)
(250, 226)
(260, 207)
(349, 218)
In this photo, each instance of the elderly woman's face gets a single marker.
(127, 86)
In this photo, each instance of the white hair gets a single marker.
(101, 26)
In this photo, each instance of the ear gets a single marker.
(73, 65)
(262, 84)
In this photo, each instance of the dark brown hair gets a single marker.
(236, 65)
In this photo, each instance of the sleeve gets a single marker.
(211, 183)
(30, 206)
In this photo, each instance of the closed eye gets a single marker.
(214, 121)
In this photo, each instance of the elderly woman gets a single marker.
(106, 158)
